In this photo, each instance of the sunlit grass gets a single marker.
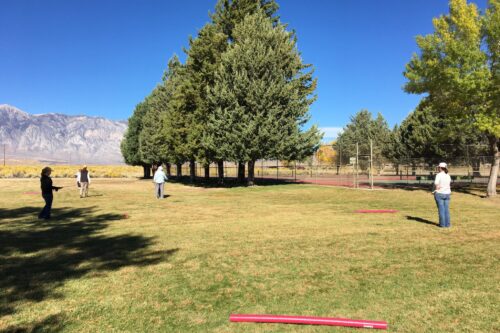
(122, 261)
(105, 171)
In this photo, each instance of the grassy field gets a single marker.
(121, 261)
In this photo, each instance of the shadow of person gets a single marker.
(421, 220)
(166, 196)
(37, 256)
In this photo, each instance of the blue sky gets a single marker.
(102, 57)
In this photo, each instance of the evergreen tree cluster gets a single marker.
(243, 94)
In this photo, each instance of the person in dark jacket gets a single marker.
(47, 188)
(83, 181)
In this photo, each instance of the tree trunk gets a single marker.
(241, 172)
(192, 170)
(147, 171)
(169, 169)
(476, 166)
(251, 173)
(492, 183)
(220, 171)
(207, 172)
(179, 170)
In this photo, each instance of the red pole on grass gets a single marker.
(252, 318)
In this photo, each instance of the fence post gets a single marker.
(357, 162)
(277, 169)
(407, 175)
(371, 164)
(295, 170)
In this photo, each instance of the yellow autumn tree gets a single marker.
(326, 154)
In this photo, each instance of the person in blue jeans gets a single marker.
(442, 194)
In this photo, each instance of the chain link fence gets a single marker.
(366, 173)
(366, 169)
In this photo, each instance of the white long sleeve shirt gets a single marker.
(443, 182)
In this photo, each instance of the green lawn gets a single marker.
(122, 261)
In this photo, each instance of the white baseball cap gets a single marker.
(442, 165)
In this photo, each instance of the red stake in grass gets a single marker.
(251, 318)
(376, 211)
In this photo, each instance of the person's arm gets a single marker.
(56, 188)
(78, 175)
(437, 182)
(88, 176)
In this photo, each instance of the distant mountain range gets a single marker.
(59, 138)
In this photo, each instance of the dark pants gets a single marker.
(45, 213)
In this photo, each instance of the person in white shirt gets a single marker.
(442, 195)
(83, 181)
(159, 179)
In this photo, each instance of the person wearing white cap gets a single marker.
(442, 194)
(83, 181)
(159, 179)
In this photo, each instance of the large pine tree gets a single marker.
(174, 126)
(262, 95)
(130, 143)
(229, 13)
(150, 139)
(203, 58)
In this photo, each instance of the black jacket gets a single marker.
(46, 183)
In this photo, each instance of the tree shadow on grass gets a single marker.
(477, 190)
(38, 256)
(421, 220)
(228, 182)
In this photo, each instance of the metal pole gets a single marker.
(371, 164)
(407, 181)
(277, 169)
(4, 154)
(357, 161)
(262, 168)
(468, 160)
(295, 171)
